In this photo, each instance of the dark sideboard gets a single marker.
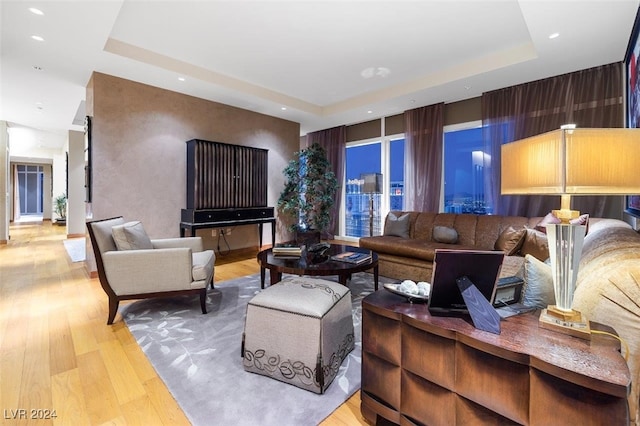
(226, 186)
(422, 369)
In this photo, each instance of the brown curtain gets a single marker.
(587, 98)
(423, 157)
(334, 142)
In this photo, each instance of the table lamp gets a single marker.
(371, 184)
(568, 162)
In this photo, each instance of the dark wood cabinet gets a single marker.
(226, 186)
(223, 176)
(424, 370)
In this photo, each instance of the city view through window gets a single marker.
(463, 170)
(464, 163)
(365, 159)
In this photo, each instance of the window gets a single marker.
(363, 212)
(464, 163)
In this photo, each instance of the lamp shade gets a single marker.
(372, 183)
(573, 161)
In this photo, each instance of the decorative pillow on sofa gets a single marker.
(549, 219)
(583, 219)
(444, 234)
(536, 244)
(131, 236)
(510, 240)
(538, 283)
(397, 226)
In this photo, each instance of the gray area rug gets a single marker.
(75, 249)
(199, 358)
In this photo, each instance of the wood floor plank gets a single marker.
(141, 412)
(35, 385)
(68, 399)
(61, 350)
(100, 397)
(144, 369)
(11, 364)
(164, 403)
(122, 375)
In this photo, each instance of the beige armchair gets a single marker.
(132, 266)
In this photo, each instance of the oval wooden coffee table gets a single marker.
(308, 264)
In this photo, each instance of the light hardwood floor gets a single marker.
(58, 354)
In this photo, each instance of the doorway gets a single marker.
(30, 190)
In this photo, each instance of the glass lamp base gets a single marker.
(567, 322)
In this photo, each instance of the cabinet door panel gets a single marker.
(493, 382)
(429, 356)
(426, 402)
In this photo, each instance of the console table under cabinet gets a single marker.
(421, 369)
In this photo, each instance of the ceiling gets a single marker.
(319, 63)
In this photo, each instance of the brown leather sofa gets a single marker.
(412, 257)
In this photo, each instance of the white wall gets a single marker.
(75, 197)
(4, 183)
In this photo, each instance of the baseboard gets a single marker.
(75, 236)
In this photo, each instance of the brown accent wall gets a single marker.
(139, 152)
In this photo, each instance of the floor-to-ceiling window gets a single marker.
(363, 209)
(464, 163)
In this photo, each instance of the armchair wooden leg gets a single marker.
(113, 309)
(203, 299)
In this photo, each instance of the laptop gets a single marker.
(481, 267)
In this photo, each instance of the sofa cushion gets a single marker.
(536, 244)
(397, 226)
(538, 283)
(510, 240)
(444, 234)
(131, 236)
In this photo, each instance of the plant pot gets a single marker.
(307, 237)
(61, 222)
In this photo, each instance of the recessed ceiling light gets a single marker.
(369, 112)
(284, 108)
(36, 37)
(37, 68)
(36, 11)
(181, 78)
(554, 35)
(370, 72)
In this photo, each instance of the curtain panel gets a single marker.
(423, 142)
(334, 142)
(587, 98)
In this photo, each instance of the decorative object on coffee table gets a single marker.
(309, 264)
(567, 162)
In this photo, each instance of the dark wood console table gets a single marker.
(422, 369)
(192, 227)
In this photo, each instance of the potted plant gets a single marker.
(61, 209)
(308, 194)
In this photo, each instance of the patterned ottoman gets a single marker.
(299, 331)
